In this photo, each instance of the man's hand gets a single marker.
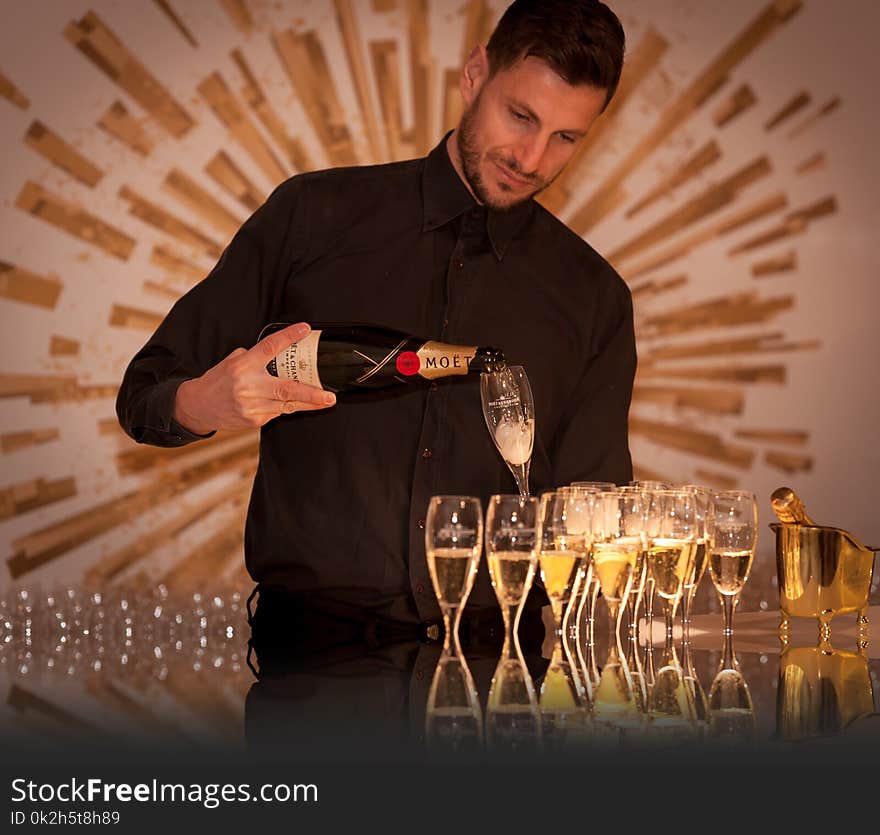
(239, 393)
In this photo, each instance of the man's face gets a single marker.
(519, 129)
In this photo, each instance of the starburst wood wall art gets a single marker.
(178, 118)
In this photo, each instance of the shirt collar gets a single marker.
(445, 197)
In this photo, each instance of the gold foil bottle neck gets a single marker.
(788, 507)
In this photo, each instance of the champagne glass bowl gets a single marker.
(509, 410)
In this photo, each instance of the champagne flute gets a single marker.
(563, 545)
(640, 571)
(648, 586)
(617, 542)
(672, 549)
(585, 601)
(453, 541)
(705, 524)
(732, 547)
(509, 410)
(510, 552)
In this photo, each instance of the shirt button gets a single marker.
(434, 386)
(421, 523)
(419, 588)
(446, 323)
(458, 264)
(426, 453)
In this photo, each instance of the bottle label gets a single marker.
(437, 359)
(300, 361)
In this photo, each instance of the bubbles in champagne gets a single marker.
(514, 440)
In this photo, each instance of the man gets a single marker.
(450, 247)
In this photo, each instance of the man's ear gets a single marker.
(474, 74)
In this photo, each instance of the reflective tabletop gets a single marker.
(135, 672)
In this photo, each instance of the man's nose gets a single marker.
(530, 152)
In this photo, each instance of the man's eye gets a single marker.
(566, 138)
(521, 116)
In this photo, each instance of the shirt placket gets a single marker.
(427, 461)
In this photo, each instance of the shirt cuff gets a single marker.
(159, 426)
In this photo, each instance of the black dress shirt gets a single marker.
(340, 495)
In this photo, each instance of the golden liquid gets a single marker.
(452, 573)
(730, 570)
(699, 565)
(511, 573)
(669, 560)
(614, 564)
(559, 571)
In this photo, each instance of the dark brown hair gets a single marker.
(582, 40)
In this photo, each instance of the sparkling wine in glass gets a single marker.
(453, 541)
(705, 524)
(510, 552)
(585, 602)
(563, 544)
(617, 542)
(732, 547)
(509, 411)
(672, 549)
(648, 586)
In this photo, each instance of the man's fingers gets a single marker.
(273, 388)
(290, 406)
(273, 344)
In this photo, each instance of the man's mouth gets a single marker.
(512, 178)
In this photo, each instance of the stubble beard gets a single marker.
(470, 156)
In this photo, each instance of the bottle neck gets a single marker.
(788, 507)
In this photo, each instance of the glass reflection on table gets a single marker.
(153, 670)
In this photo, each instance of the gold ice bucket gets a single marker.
(822, 572)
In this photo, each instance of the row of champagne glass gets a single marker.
(627, 542)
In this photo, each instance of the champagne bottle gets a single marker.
(788, 507)
(353, 357)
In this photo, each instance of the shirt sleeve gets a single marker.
(224, 311)
(592, 443)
